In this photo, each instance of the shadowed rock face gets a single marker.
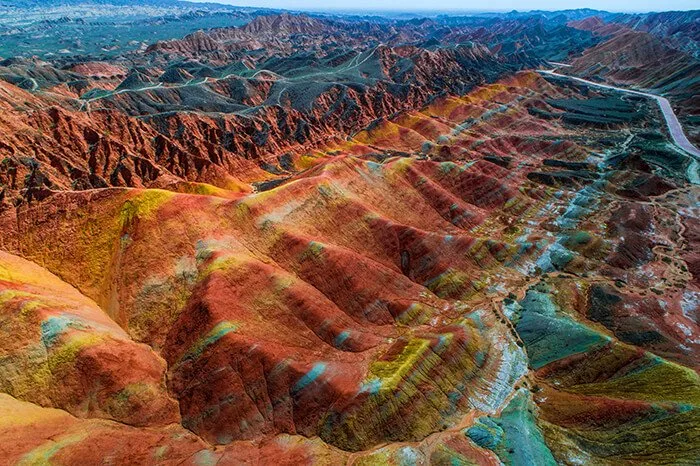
(411, 253)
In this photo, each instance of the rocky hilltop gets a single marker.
(225, 119)
(338, 240)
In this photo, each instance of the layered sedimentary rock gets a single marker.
(479, 280)
(226, 130)
(409, 253)
(61, 350)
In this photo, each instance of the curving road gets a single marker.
(674, 126)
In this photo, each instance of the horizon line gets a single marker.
(432, 10)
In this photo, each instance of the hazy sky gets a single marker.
(489, 5)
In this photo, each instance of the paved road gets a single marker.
(674, 126)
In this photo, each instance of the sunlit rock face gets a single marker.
(413, 253)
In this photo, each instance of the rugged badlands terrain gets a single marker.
(313, 240)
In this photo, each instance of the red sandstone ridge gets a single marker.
(265, 32)
(354, 305)
(83, 362)
(596, 25)
(368, 241)
(99, 70)
(284, 25)
(99, 142)
(631, 50)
